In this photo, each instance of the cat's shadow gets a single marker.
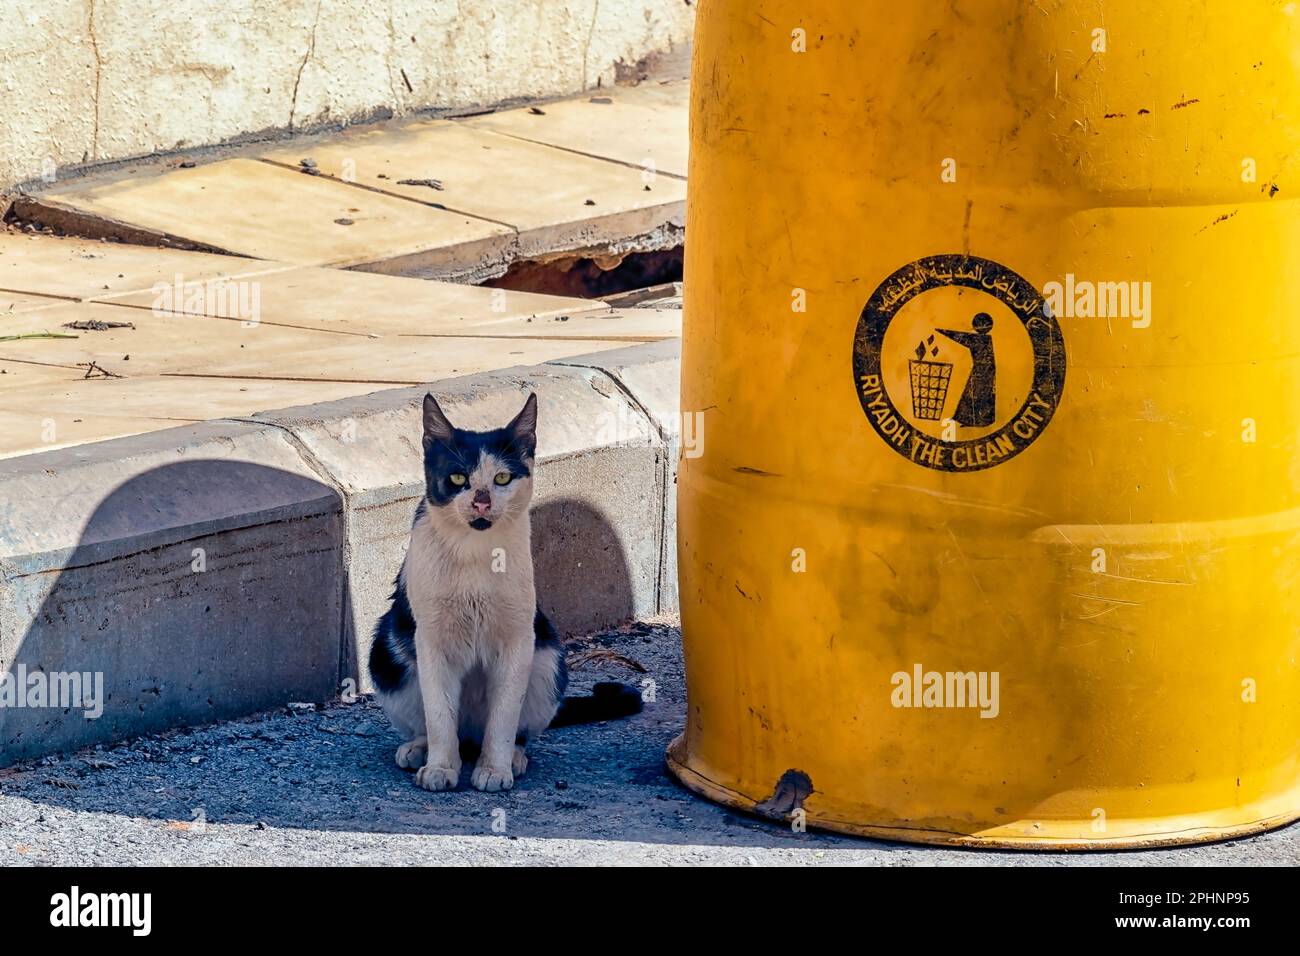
(581, 568)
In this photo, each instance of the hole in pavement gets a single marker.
(592, 277)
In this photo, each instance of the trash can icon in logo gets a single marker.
(930, 381)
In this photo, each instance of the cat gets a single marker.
(464, 658)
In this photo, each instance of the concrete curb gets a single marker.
(198, 570)
(651, 376)
(211, 571)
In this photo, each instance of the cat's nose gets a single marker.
(482, 502)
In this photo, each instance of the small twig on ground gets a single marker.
(93, 367)
(431, 183)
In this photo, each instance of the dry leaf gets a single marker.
(605, 656)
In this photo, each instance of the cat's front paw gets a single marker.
(519, 763)
(412, 754)
(490, 779)
(438, 778)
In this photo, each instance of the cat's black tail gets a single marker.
(609, 700)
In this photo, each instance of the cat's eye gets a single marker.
(502, 478)
(457, 479)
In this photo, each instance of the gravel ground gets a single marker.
(319, 787)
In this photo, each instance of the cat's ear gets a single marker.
(436, 426)
(523, 430)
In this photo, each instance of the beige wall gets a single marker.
(85, 81)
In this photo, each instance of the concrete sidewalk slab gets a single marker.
(555, 200)
(390, 361)
(263, 211)
(51, 396)
(360, 303)
(319, 335)
(599, 175)
(198, 572)
(15, 376)
(644, 126)
(153, 344)
(12, 303)
(77, 269)
(23, 433)
(185, 345)
(60, 414)
(617, 325)
(198, 346)
(173, 398)
(30, 421)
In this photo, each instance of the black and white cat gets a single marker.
(490, 670)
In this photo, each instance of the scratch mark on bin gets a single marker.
(885, 563)
(1120, 577)
(1106, 600)
(1224, 218)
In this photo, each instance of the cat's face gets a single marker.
(478, 480)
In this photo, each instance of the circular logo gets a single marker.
(958, 362)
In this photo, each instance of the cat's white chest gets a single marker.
(476, 588)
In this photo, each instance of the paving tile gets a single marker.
(25, 433)
(85, 268)
(156, 343)
(49, 406)
(514, 183)
(397, 360)
(174, 399)
(16, 376)
(556, 199)
(34, 416)
(264, 211)
(198, 345)
(170, 368)
(640, 125)
(58, 414)
(12, 303)
(367, 304)
(625, 325)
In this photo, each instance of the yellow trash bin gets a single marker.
(990, 531)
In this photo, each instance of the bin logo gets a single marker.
(971, 350)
